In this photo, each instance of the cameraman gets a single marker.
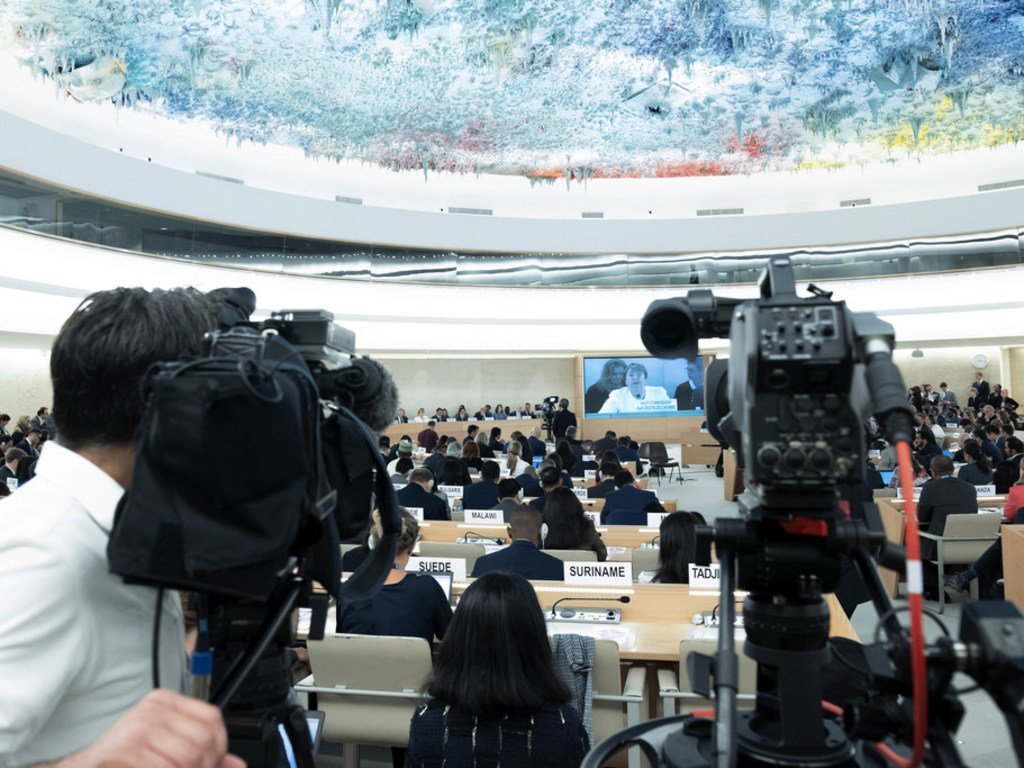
(563, 419)
(75, 640)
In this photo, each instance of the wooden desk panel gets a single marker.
(1013, 564)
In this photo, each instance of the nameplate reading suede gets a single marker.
(456, 566)
(451, 491)
(612, 574)
(985, 490)
(594, 516)
(705, 576)
(581, 493)
(484, 516)
(416, 512)
(654, 519)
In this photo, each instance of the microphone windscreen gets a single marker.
(374, 394)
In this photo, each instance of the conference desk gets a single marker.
(1013, 564)
(448, 531)
(654, 622)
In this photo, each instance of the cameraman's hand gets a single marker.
(164, 730)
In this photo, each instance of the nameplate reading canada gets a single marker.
(456, 566)
(484, 516)
(595, 574)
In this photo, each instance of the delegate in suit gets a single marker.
(523, 556)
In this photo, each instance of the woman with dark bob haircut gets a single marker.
(568, 527)
(678, 549)
(495, 697)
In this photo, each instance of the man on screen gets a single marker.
(636, 395)
(690, 394)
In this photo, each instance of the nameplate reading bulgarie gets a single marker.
(705, 576)
(654, 518)
(456, 566)
(581, 493)
(594, 516)
(451, 491)
(611, 574)
(985, 490)
(484, 516)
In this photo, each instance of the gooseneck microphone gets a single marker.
(620, 599)
(478, 537)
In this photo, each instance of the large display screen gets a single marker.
(642, 386)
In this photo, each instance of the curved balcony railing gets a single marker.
(37, 207)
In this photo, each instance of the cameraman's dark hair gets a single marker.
(105, 347)
(490, 470)
(508, 488)
(516, 676)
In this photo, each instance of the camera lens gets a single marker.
(667, 329)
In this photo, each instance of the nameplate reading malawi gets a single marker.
(484, 516)
(613, 574)
(456, 566)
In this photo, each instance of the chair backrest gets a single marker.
(468, 552)
(747, 673)
(656, 452)
(459, 515)
(968, 526)
(573, 555)
(644, 451)
(369, 663)
(609, 716)
(645, 559)
(348, 548)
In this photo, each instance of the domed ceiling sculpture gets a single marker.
(551, 88)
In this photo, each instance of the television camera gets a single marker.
(547, 414)
(250, 459)
(802, 375)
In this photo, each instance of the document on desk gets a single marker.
(624, 637)
(305, 619)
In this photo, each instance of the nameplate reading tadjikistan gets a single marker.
(484, 516)
(456, 566)
(705, 576)
(654, 518)
(594, 574)
(451, 491)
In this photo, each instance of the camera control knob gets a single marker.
(796, 458)
(820, 459)
(769, 456)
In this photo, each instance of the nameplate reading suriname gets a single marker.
(612, 574)
(484, 516)
(456, 566)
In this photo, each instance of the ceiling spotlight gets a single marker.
(917, 353)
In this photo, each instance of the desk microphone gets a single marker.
(652, 544)
(478, 538)
(621, 599)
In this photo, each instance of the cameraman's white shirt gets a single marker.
(75, 640)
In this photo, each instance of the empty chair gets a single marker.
(367, 686)
(673, 688)
(467, 552)
(659, 459)
(964, 539)
(645, 559)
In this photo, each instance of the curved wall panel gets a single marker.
(44, 278)
(81, 166)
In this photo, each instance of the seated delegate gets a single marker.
(523, 556)
(678, 539)
(502, 707)
(627, 504)
(568, 527)
(409, 604)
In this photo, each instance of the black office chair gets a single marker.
(658, 457)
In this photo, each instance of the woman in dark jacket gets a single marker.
(568, 527)
(504, 707)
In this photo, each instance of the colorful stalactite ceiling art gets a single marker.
(552, 89)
